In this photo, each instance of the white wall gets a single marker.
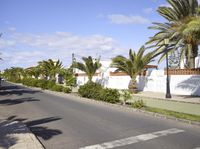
(179, 84)
(155, 81)
(197, 62)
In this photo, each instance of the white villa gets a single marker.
(182, 81)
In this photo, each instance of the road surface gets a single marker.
(70, 123)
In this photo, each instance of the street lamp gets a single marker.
(168, 94)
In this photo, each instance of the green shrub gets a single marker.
(90, 90)
(17, 81)
(30, 82)
(126, 95)
(50, 84)
(66, 90)
(42, 84)
(97, 92)
(110, 95)
(45, 84)
(138, 104)
(57, 88)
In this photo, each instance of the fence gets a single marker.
(183, 71)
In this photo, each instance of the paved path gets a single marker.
(73, 123)
(180, 98)
(184, 104)
(15, 135)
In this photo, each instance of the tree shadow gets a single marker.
(9, 89)
(9, 102)
(141, 82)
(8, 86)
(192, 84)
(17, 92)
(14, 125)
(40, 131)
(6, 130)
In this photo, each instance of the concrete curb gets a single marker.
(61, 94)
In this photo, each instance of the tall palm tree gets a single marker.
(182, 29)
(89, 66)
(14, 73)
(68, 76)
(133, 65)
(50, 68)
(44, 72)
(33, 71)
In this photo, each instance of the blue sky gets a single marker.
(34, 30)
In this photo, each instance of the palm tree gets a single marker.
(68, 76)
(44, 72)
(182, 29)
(50, 68)
(133, 65)
(33, 71)
(90, 66)
(14, 73)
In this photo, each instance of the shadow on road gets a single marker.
(40, 131)
(18, 92)
(8, 89)
(5, 86)
(9, 102)
(15, 125)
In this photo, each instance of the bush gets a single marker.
(17, 81)
(90, 90)
(66, 90)
(42, 84)
(138, 104)
(97, 92)
(50, 84)
(57, 88)
(30, 82)
(110, 95)
(126, 95)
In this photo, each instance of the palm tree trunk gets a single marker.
(194, 54)
(133, 85)
(89, 78)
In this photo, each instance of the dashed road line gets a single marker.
(134, 139)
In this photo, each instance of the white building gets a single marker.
(182, 82)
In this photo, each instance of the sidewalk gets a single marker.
(15, 135)
(184, 104)
(179, 98)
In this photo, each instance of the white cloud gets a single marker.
(131, 19)
(165, 5)
(148, 10)
(199, 2)
(19, 57)
(12, 29)
(23, 49)
(6, 43)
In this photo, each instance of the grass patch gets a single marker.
(174, 114)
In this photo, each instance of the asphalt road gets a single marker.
(71, 123)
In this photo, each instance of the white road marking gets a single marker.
(134, 139)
